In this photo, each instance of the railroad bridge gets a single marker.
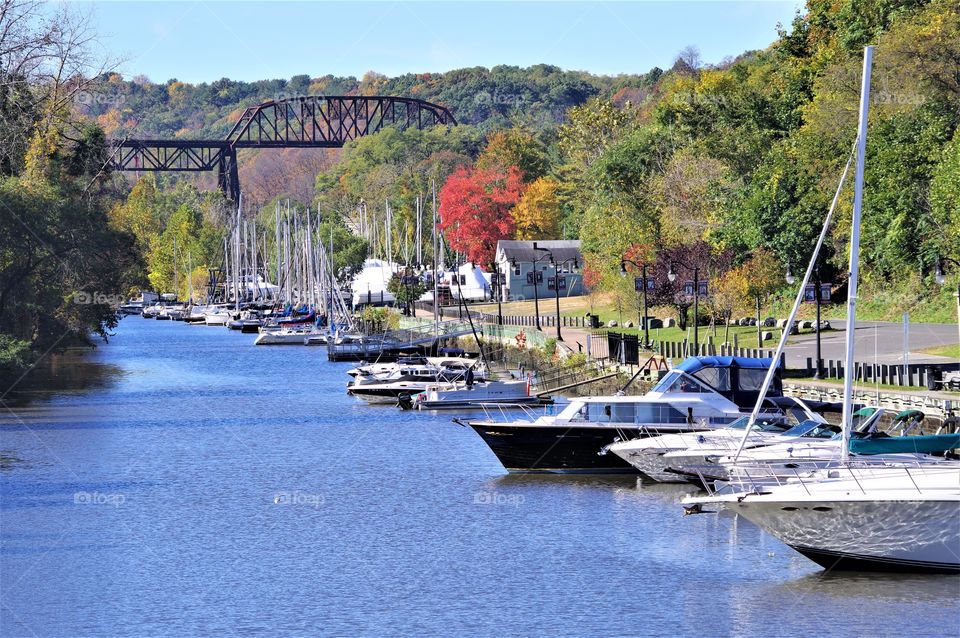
(299, 122)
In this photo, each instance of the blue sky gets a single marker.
(204, 41)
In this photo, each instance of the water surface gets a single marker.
(205, 486)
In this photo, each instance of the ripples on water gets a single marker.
(204, 486)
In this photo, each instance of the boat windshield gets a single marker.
(680, 382)
(813, 430)
(761, 425)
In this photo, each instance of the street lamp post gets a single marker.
(643, 268)
(498, 287)
(817, 298)
(672, 276)
(556, 284)
(536, 294)
(941, 279)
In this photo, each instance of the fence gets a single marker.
(931, 406)
(625, 348)
(915, 374)
(546, 321)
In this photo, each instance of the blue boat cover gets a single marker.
(692, 364)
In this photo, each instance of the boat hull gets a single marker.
(561, 449)
(904, 536)
(281, 339)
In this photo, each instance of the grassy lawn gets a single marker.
(952, 351)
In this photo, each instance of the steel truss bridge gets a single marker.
(300, 122)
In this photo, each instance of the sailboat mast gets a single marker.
(176, 287)
(436, 286)
(276, 237)
(855, 253)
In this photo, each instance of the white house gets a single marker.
(544, 264)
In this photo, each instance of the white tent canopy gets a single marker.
(370, 284)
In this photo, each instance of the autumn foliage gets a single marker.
(538, 213)
(475, 208)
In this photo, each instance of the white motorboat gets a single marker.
(873, 518)
(217, 316)
(135, 306)
(295, 335)
(173, 312)
(664, 458)
(151, 311)
(318, 339)
(408, 380)
(699, 394)
(705, 457)
(196, 314)
(435, 397)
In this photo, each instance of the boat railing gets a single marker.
(492, 409)
(868, 476)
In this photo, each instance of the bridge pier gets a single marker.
(228, 177)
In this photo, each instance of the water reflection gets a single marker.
(71, 372)
(874, 587)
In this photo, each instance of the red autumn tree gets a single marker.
(475, 208)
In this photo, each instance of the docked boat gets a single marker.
(699, 394)
(135, 306)
(151, 311)
(408, 380)
(197, 314)
(172, 312)
(317, 339)
(461, 395)
(287, 335)
(669, 458)
(850, 518)
(217, 316)
(881, 516)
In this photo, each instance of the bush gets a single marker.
(15, 358)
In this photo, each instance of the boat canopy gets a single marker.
(739, 379)
(692, 364)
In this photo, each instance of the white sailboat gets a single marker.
(886, 518)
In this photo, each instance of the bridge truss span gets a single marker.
(299, 122)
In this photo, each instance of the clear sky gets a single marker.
(204, 41)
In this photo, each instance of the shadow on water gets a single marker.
(665, 492)
(70, 372)
(876, 587)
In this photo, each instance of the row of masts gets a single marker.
(404, 242)
(292, 264)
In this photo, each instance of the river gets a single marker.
(183, 482)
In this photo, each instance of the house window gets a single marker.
(516, 270)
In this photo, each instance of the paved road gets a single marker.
(877, 342)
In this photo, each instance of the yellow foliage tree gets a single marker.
(537, 214)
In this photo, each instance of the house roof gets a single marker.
(562, 249)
